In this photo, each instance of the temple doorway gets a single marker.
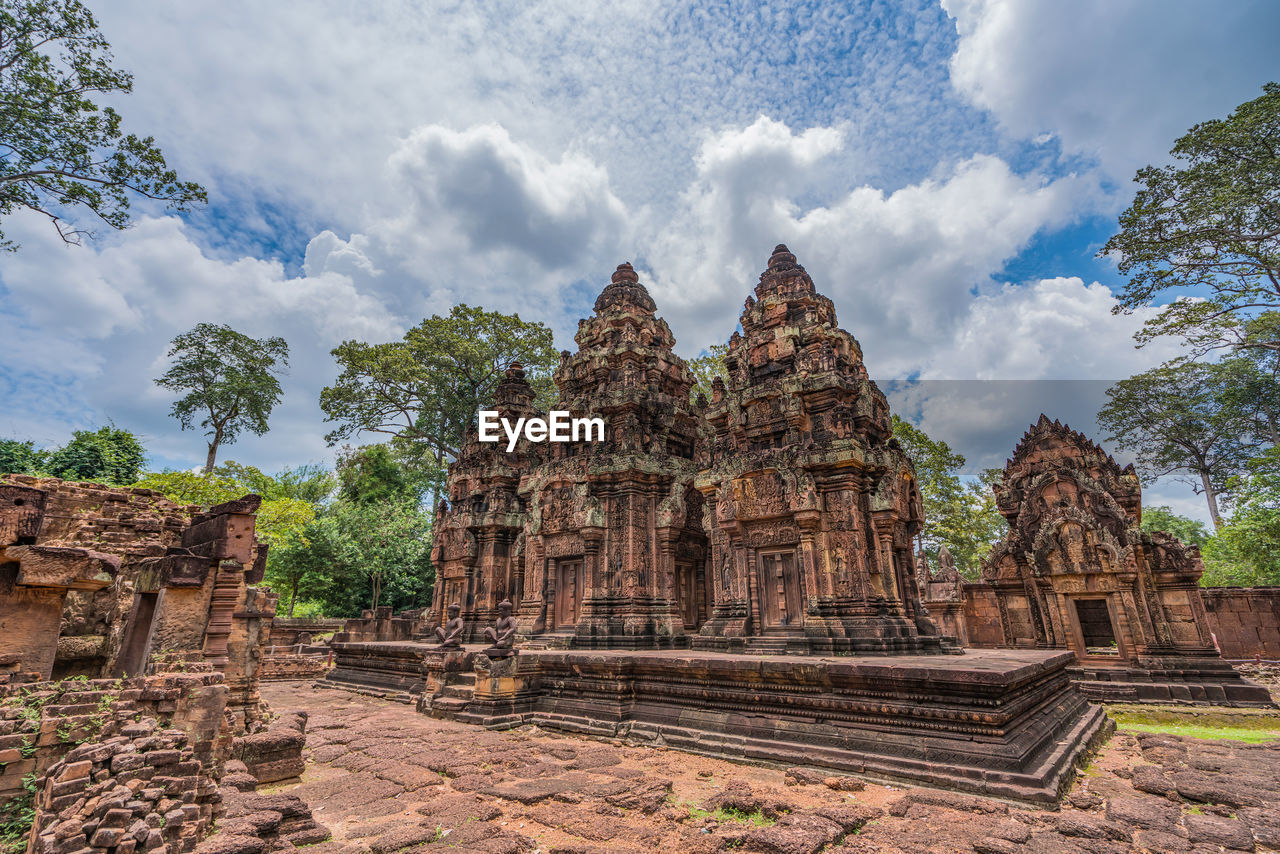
(568, 601)
(1097, 633)
(687, 598)
(137, 636)
(780, 591)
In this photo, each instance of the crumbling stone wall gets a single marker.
(142, 578)
(42, 722)
(1245, 621)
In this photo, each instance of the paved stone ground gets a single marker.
(387, 780)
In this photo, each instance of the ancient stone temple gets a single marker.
(679, 581)
(103, 582)
(814, 505)
(1077, 572)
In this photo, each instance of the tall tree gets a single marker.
(1243, 552)
(961, 516)
(106, 455)
(58, 149)
(425, 390)
(1174, 420)
(1208, 227)
(229, 380)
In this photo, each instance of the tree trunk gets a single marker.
(209, 460)
(1211, 496)
(377, 589)
(293, 597)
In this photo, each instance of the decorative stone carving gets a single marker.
(1076, 571)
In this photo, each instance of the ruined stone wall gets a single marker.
(42, 722)
(133, 524)
(285, 666)
(287, 631)
(1244, 620)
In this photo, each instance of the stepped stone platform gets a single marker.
(1003, 723)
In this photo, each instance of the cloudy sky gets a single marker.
(946, 172)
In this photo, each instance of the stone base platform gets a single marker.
(1003, 723)
(1198, 680)
(396, 670)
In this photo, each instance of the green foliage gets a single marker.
(21, 457)
(17, 816)
(427, 387)
(283, 515)
(371, 475)
(358, 555)
(61, 150)
(1162, 518)
(706, 368)
(962, 516)
(229, 380)
(1243, 552)
(1175, 420)
(107, 455)
(1208, 226)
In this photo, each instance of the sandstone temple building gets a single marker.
(777, 516)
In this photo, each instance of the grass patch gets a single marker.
(757, 818)
(1248, 735)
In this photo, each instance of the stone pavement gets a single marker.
(387, 780)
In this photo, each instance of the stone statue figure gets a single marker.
(946, 566)
(502, 636)
(450, 634)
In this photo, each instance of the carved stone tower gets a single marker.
(810, 504)
(479, 532)
(614, 554)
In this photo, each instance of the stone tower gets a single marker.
(479, 531)
(811, 506)
(614, 550)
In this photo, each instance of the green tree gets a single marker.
(706, 368)
(1243, 552)
(425, 390)
(371, 475)
(1208, 227)
(1174, 421)
(962, 516)
(58, 149)
(1162, 518)
(107, 455)
(20, 457)
(281, 518)
(229, 380)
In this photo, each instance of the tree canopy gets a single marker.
(229, 380)
(107, 455)
(425, 389)
(959, 515)
(706, 368)
(60, 151)
(1208, 229)
(1174, 420)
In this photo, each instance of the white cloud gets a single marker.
(901, 266)
(1056, 329)
(1115, 81)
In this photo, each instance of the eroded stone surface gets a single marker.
(532, 790)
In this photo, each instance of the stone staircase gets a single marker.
(455, 695)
